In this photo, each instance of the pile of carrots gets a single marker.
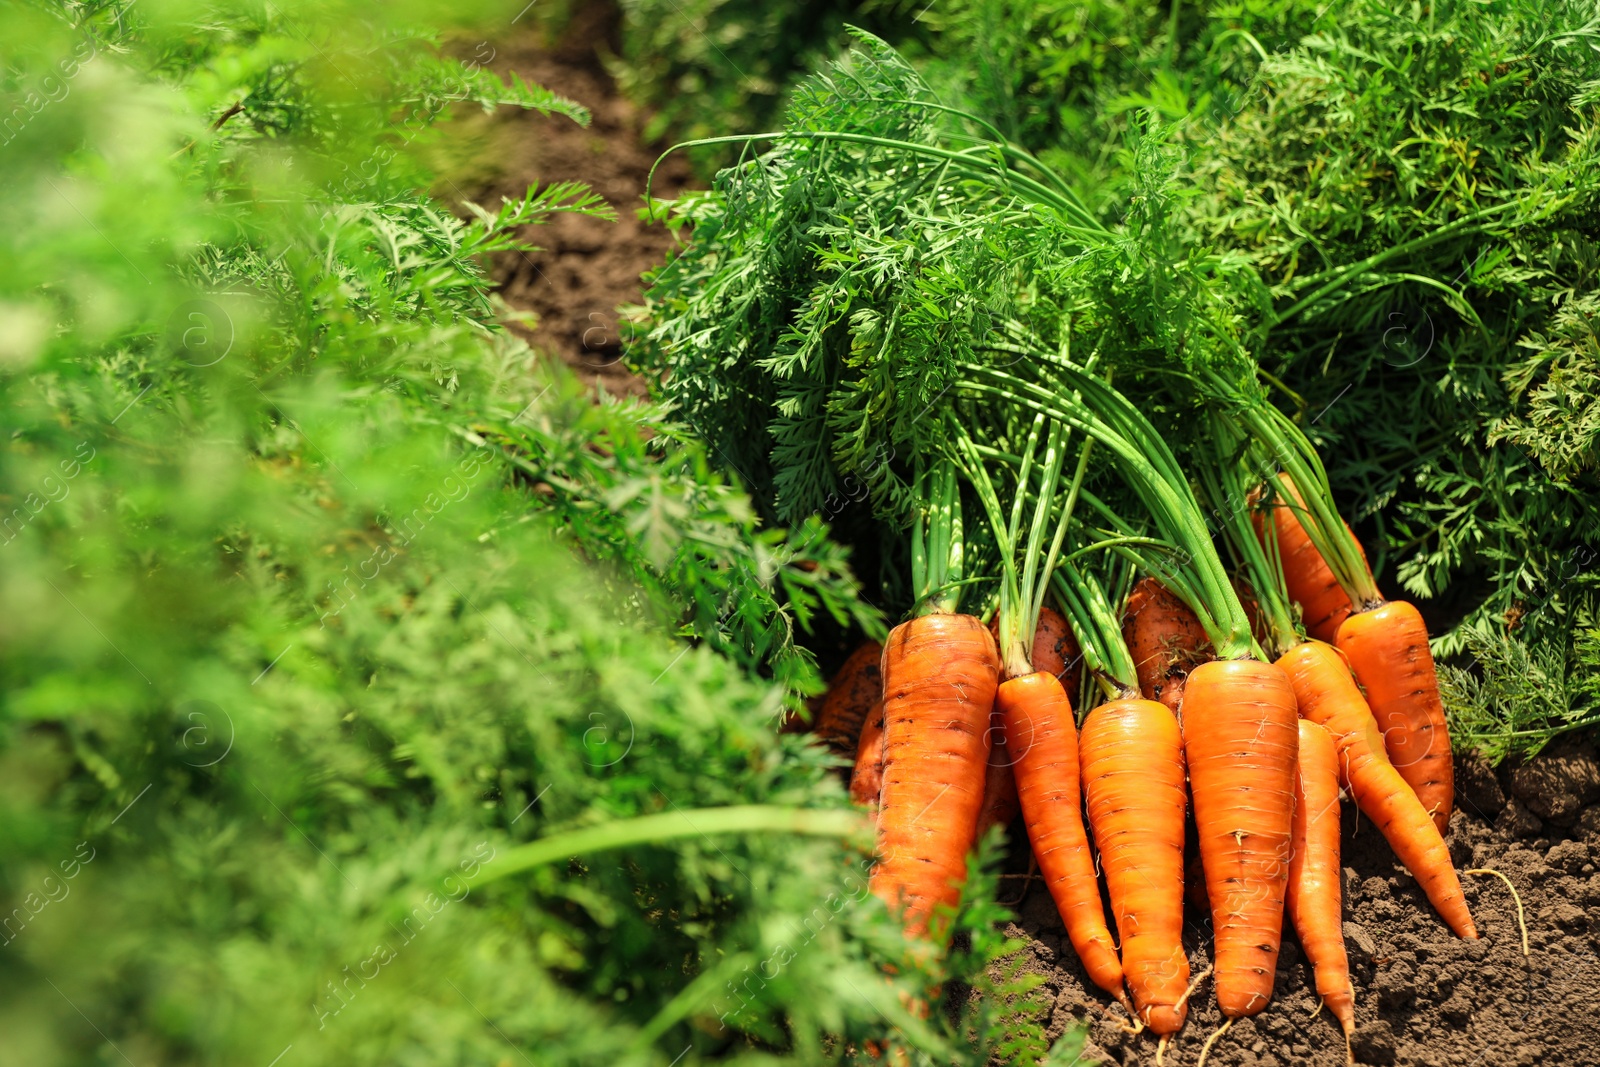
(951, 735)
(1241, 695)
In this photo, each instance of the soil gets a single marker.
(1423, 996)
(587, 268)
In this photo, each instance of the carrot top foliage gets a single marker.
(1388, 210)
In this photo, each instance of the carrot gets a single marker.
(940, 674)
(1386, 643)
(1055, 651)
(1388, 649)
(1240, 738)
(1328, 696)
(1324, 604)
(1132, 758)
(866, 781)
(1313, 902)
(853, 690)
(1043, 741)
(1166, 640)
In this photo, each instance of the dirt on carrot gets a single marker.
(1424, 997)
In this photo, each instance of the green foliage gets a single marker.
(295, 642)
(1004, 1005)
(1069, 79)
(1390, 209)
(1521, 695)
(1557, 392)
(814, 325)
(634, 489)
(822, 325)
(1418, 187)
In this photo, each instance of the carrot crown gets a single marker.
(1094, 620)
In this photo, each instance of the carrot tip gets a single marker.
(1161, 1050)
(1137, 1024)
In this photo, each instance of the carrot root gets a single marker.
(1327, 695)
(1388, 650)
(1314, 874)
(1165, 639)
(940, 676)
(866, 781)
(1308, 579)
(1043, 740)
(1216, 1035)
(1241, 736)
(855, 688)
(1132, 757)
(1521, 921)
(1193, 985)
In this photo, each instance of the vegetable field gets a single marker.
(660, 533)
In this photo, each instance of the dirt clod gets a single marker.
(1518, 821)
(1357, 940)
(1556, 786)
(1569, 856)
(1374, 1043)
(1477, 788)
(1588, 825)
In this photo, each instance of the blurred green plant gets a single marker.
(320, 596)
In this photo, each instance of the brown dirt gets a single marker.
(587, 267)
(1423, 996)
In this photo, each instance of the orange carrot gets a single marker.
(1388, 649)
(1240, 738)
(1387, 646)
(1328, 696)
(1043, 741)
(1132, 758)
(1313, 902)
(866, 781)
(1166, 641)
(1310, 582)
(1055, 651)
(940, 674)
(853, 690)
